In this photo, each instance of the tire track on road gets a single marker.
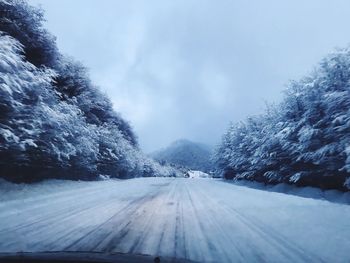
(43, 215)
(95, 239)
(289, 249)
(212, 224)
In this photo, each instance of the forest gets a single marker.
(304, 140)
(54, 122)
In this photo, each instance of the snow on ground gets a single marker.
(202, 220)
(10, 191)
(310, 192)
(198, 174)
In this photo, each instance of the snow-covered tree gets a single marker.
(304, 140)
(54, 123)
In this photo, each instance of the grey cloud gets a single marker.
(187, 68)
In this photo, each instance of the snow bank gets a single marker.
(308, 192)
(11, 191)
(198, 174)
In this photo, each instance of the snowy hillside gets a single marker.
(192, 155)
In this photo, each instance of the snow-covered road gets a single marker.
(199, 219)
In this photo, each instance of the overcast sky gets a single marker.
(186, 68)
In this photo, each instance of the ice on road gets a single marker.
(203, 220)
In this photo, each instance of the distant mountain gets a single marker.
(192, 155)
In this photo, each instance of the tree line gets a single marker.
(304, 140)
(54, 122)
